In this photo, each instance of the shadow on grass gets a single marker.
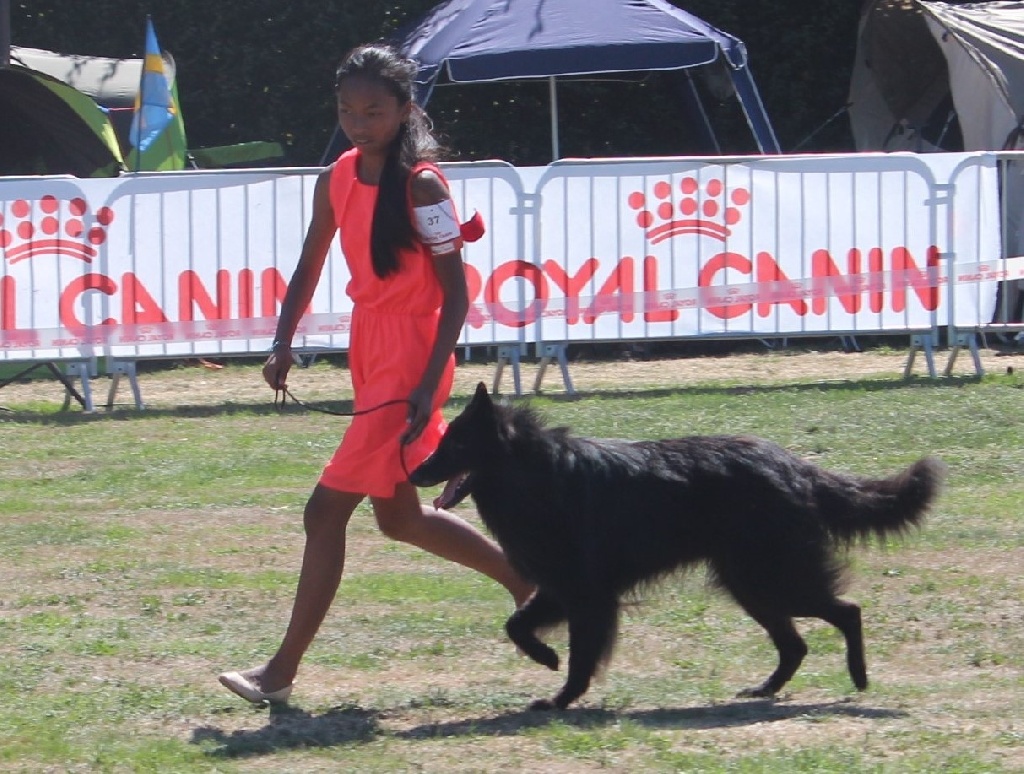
(727, 715)
(74, 417)
(291, 728)
(267, 408)
(838, 385)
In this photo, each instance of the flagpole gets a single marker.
(136, 151)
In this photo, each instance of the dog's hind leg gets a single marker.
(788, 643)
(539, 611)
(845, 616)
(592, 628)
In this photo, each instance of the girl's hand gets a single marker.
(275, 370)
(421, 402)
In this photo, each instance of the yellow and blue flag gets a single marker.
(154, 105)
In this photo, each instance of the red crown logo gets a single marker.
(719, 211)
(76, 235)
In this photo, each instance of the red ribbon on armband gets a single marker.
(473, 228)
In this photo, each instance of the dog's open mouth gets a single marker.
(455, 491)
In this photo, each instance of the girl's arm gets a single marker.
(322, 228)
(427, 188)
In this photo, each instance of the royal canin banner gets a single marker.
(173, 264)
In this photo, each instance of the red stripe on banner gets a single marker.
(587, 307)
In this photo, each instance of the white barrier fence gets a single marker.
(197, 263)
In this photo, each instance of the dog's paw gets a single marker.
(539, 652)
(542, 705)
(760, 692)
(548, 658)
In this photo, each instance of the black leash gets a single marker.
(283, 394)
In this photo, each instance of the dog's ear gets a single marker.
(481, 399)
(481, 404)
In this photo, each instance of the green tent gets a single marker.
(50, 128)
(102, 90)
(113, 84)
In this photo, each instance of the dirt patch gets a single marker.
(191, 384)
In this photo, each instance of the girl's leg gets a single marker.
(325, 520)
(404, 518)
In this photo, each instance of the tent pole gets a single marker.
(692, 100)
(328, 151)
(553, 93)
(753, 109)
(5, 33)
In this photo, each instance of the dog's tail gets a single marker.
(859, 507)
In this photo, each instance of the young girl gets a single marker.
(400, 236)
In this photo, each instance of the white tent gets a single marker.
(938, 76)
(933, 76)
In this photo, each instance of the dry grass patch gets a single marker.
(130, 577)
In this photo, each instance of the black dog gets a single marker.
(589, 520)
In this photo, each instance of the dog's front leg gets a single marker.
(539, 611)
(592, 629)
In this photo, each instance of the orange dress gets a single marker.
(394, 325)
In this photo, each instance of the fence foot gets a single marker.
(551, 352)
(926, 344)
(508, 354)
(118, 369)
(81, 370)
(959, 341)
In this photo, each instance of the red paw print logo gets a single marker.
(709, 212)
(47, 230)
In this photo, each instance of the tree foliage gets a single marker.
(262, 70)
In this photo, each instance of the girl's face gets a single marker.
(369, 113)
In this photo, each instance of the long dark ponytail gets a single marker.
(392, 228)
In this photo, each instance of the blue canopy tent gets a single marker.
(465, 41)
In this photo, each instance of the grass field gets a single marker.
(141, 553)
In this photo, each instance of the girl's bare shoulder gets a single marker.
(326, 172)
(428, 187)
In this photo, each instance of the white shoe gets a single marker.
(239, 684)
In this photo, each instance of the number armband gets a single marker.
(438, 227)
